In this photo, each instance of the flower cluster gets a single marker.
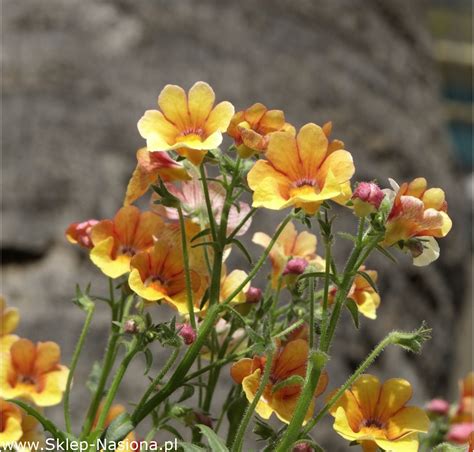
(275, 333)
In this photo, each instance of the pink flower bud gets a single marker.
(130, 326)
(438, 406)
(253, 295)
(367, 198)
(202, 418)
(302, 447)
(80, 233)
(187, 333)
(459, 433)
(295, 266)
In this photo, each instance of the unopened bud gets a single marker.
(295, 266)
(187, 333)
(367, 198)
(415, 247)
(80, 233)
(438, 406)
(204, 419)
(130, 326)
(460, 433)
(253, 295)
(302, 447)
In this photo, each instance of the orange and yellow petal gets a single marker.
(201, 99)
(408, 443)
(160, 133)
(53, 387)
(394, 394)
(219, 118)
(282, 153)
(241, 369)
(11, 429)
(312, 147)
(250, 386)
(407, 420)
(173, 103)
(284, 407)
(48, 355)
(231, 282)
(101, 255)
(9, 318)
(292, 360)
(366, 389)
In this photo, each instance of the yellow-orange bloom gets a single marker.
(418, 212)
(376, 415)
(465, 410)
(33, 372)
(117, 241)
(289, 245)
(291, 359)
(365, 296)
(158, 274)
(230, 282)
(150, 166)
(251, 128)
(301, 172)
(189, 124)
(9, 319)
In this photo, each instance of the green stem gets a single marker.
(241, 224)
(327, 271)
(239, 437)
(391, 338)
(311, 312)
(134, 349)
(75, 359)
(207, 198)
(316, 362)
(187, 273)
(164, 370)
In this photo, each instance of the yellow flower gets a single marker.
(366, 298)
(376, 415)
(301, 172)
(150, 166)
(230, 282)
(158, 274)
(117, 241)
(289, 245)
(9, 319)
(289, 360)
(251, 128)
(10, 424)
(418, 213)
(465, 410)
(33, 372)
(190, 124)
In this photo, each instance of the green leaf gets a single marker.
(216, 444)
(263, 430)
(235, 413)
(188, 447)
(47, 424)
(188, 392)
(387, 254)
(82, 299)
(367, 277)
(242, 248)
(148, 360)
(347, 236)
(203, 233)
(119, 428)
(352, 306)
(94, 377)
(172, 430)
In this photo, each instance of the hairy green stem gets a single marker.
(75, 358)
(239, 437)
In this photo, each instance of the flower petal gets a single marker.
(255, 113)
(241, 369)
(48, 355)
(23, 353)
(101, 255)
(250, 386)
(305, 244)
(159, 133)
(285, 407)
(201, 98)
(394, 394)
(366, 390)
(53, 386)
(341, 165)
(219, 118)
(291, 360)
(312, 148)
(174, 105)
(407, 420)
(408, 443)
(282, 153)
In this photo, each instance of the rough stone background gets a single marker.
(77, 75)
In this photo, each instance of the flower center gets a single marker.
(372, 423)
(192, 132)
(126, 249)
(305, 181)
(155, 279)
(26, 379)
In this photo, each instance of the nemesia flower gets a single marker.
(117, 241)
(30, 431)
(300, 172)
(9, 319)
(10, 424)
(230, 282)
(251, 128)
(289, 360)
(128, 443)
(150, 166)
(80, 233)
(295, 266)
(465, 410)
(158, 275)
(289, 245)
(367, 198)
(190, 124)
(193, 204)
(417, 214)
(376, 415)
(365, 296)
(460, 433)
(33, 372)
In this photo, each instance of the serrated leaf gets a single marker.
(446, 447)
(215, 443)
(367, 277)
(93, 379)
(352, 306)
(347, 236)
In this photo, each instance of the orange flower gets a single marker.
(465, 411)
(117, 241)
(366, 298)
(158, 274)
(417, 212)
(9, 319)
(289, 245)
(80, 233)
(289, 360)
(301, 172)
(251, 128)
(230, 282)
(150, 166)
(190, 124)
(376, 415)
(33, 372)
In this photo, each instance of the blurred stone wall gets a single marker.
(77, 75)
